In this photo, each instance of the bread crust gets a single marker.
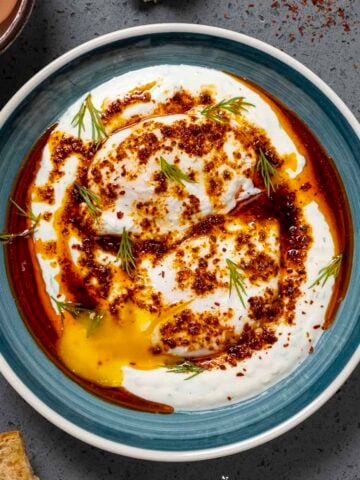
(14, 463)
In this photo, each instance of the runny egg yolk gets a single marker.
(100, 355)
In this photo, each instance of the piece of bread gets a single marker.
(14, 464)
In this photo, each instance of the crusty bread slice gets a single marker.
(14, 464)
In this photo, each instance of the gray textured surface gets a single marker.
(326, 446)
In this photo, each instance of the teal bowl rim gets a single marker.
(206, 453)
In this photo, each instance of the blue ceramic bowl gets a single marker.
(190, 435)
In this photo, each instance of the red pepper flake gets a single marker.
(325, 12)
(311, 349)
(328, 21)
(315, 327)
(305, 186)
(239, 374)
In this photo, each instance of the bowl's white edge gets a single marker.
(160, 455)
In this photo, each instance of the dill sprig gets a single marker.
(78, 120)
(8, 237)
(331, 270)
(97, 128)
(236, 280)
(234, 105)
(96, 319)
(185, 367)
(29, 215)
(267, 171)
(91, 199)
(125, 253)
(174, 173)
(75, 309)
(98, 132)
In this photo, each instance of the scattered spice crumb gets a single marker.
(313, 18)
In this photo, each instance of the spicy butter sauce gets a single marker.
(26, 278)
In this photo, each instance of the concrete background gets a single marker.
(324, 447)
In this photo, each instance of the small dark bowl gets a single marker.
(13, 25)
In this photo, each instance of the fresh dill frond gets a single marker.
(125, 253)
(233, 105)
(97, 128)
(185, 367)
(236, 281)
(73, 308)
(174, 173)
(98, 132)
(95, 319)
(267, 171)
(331, 270)
(91, 199)
(78, 120)
(8, 237)
(29, 215)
